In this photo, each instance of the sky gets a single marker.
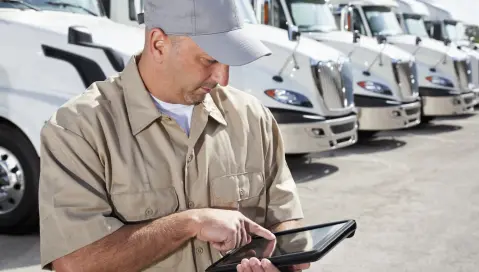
(465, 10)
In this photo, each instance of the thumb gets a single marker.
(223, 246)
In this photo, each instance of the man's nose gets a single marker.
(221, 74)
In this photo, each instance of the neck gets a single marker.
(152, 77)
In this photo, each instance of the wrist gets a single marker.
(193, 222)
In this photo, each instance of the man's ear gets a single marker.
(157, 44)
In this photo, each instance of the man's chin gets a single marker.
(197, 99)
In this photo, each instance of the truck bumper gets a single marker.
(449, 105)
(390, 117)
(319, 135)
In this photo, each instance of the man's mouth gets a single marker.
(206, 89)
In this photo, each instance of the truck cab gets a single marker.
(444, 85)
(314, 106)
(384, 86)
(441, 25)
(50, 52)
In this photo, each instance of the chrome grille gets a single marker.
(461, 68)
(404, 78)
(330, 85)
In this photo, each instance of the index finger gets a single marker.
(252, 227)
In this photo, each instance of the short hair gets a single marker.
(175, 40)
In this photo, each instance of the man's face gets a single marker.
(193, 72)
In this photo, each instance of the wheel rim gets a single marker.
(12, 181)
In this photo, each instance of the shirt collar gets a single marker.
(140, 107)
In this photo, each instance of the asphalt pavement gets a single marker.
(414, 194)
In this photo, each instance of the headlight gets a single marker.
(375, 87)
(289, 97)
(440, 81)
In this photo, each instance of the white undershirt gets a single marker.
(181, 113)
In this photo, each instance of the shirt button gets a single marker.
(190, 158)
(191, 204)
(241, 192)
(199, 250)
(148, 212)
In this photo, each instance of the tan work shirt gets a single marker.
(109, 157)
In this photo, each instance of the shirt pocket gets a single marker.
(243, 192)
(147, 205)
(134, 207)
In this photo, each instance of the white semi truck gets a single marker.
(412, 15)
(385, 92)
(441, 25)
(444, 85)
(51, 51)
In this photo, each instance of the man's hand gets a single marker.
(265, 265)
(226, 229)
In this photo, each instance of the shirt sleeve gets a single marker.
(73, 202)
(283, 198)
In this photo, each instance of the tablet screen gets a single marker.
(284, 244)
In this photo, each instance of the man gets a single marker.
(161, 168)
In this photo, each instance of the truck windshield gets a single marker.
(90, 7)
(455, 31)
(415, 25)
(312, 15)
(15, 4)
(382, 21)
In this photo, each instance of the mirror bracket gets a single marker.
(356, 36)
(79, 35)
(293, 32)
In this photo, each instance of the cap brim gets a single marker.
(234, 48)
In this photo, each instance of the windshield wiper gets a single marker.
(66, 4)
(21, 3)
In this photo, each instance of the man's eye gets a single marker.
(209, 61)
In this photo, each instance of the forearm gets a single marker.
(132, 247)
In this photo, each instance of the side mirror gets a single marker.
(447, 41)
(293, 33)
(141, 18)
(381, 39)
(79, 35)
(356, 36)
(418, 40)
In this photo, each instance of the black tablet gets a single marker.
(296, 246)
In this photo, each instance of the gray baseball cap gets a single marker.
(215, 25)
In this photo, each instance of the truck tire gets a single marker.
(366, 135)
(19, 174)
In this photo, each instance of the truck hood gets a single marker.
(365, 42)
(428, 43)
(308, 47)
(126, 39)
